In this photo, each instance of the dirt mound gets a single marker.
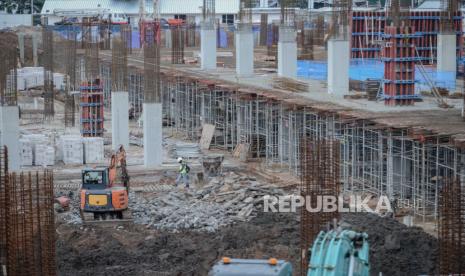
(396, 249)
(140, 251)
(137, 250)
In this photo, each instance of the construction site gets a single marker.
(208, 137)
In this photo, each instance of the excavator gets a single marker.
(104, 191)
(334, 253)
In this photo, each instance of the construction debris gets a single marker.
(224, 200)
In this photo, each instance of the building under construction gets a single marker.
(261, 137)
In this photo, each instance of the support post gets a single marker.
(244, 50)
(338, 67)
(9, 134)
(153, 134)
(287, 52)
(119, 119)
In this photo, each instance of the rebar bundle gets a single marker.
(49, 95)
(152, 87)
(340, 19)
(287, 12)
(70, 106)
(90, 40)
(70, 75)
(30, 224)
(126, 36)
(8, 73)
(3, 206)
(451, 227)
(177, 41)
(245, 11)
(208, 11)
(263, 29)
(449, 9)
(70, 56)
(119, 65)
(27, 223)
(319, 178)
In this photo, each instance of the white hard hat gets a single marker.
(179, 159)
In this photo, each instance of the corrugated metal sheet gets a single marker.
(132, 6)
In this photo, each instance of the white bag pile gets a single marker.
(93, 150)
(30, 77)
(44, 155)
(35, 150)
(72, 149)
(58, 81)
(26, 152)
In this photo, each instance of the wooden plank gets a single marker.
(207, 135)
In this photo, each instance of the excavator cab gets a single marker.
(95, 179)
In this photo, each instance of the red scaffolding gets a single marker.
(399, 66)
(92, 108)
(368, 28)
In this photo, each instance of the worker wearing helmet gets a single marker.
(183, 175)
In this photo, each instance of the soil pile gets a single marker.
(137, 250)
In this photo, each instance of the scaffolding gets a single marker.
(374, 159)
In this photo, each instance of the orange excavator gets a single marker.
(104, 191)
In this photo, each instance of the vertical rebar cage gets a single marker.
(320, 176)
(8, 74)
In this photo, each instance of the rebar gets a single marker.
(208, 12)
(90, 40)
(152, 86)
(263, 29)
(448, 9)
(177, 41)
(70, 80)
(119, 65)
(49, 92)
(3, 208)
(30, 224)
(245, 11)
(8, 74)
(451, 230)
(319, 178)
(340, 19)
(287, 12)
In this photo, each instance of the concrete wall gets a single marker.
(12, 20)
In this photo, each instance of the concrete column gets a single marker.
(168, 41)
(287, 52)
(338, 67)
(446, 53)
(34, 50)
(153, 134)
(244, 50)
(21, 47)
(207, 46)
(9, 134)
(119, 119)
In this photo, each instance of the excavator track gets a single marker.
(89, 218)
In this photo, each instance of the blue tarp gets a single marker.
(362, 70)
